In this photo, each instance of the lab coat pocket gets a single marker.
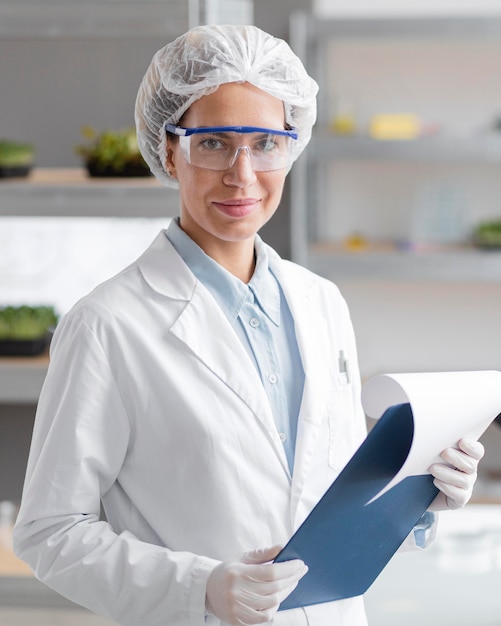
(342, 427)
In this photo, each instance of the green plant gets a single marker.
(26, 322)
(13, 154)
(111, 149)
(488, 234)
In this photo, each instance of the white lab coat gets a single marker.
(152, 405)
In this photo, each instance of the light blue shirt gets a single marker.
(261, 318)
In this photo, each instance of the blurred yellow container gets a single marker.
(395, 126)
(344, 125)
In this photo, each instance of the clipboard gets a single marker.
(376, 501)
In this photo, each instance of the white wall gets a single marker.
(363, 8)
(56, 260)
(414, 327)
(425, 326)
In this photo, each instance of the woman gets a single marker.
(197, 394)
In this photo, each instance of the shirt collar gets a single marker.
(229, 291)
(264, 285)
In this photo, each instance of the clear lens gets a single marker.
(220, 150)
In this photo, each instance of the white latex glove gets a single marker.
(456, 479)
(250, 589)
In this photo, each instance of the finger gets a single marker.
(263, 595)
(455, 497)
(453, 476)
(256, 601)
(248, 616)
(286, 591)
(267, 596)
(460, 460)
(472, 447)
(281, 573)
(261, 555)
(260, 599)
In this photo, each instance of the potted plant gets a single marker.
(487, 235)
(112, 153)
(26, 330)
(16, 159)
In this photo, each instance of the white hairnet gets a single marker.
(201, 60)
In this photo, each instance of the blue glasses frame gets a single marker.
(186, 132)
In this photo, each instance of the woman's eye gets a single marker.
(266, 145)
(211, 143)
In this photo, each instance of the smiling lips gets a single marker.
(237, 208)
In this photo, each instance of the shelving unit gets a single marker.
(436, 149)
(451, 264)
(311, 39)
(21, 379)
(94, 19)
(70, 192)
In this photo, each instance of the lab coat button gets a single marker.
(273, 378)
(283, 437)
(254, 322)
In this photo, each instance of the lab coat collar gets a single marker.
(165, 271)
(264, 284)
(229, 291)
(204, 329)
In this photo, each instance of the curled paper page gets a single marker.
(445, 406)
(384, 489)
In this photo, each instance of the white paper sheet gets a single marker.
(446, 407)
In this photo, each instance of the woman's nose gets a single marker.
(240, 171)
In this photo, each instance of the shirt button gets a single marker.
(283, 437)
(272, 378)
(254, 322)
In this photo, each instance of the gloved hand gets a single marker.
(250, 589)
(456, 479)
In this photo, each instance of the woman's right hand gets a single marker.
(249, 590)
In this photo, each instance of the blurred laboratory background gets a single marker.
(397, 199)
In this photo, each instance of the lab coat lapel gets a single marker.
(204, 329)
(311, 333)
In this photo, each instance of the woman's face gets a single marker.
(230, 206)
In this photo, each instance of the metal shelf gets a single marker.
(452, 265)
(93, 19)
(483, 149)
(70, 192)
(21, 379)
(441, 26)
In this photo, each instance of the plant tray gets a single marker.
(14, 172)
(22, 347)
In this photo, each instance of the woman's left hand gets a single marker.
(456, 478)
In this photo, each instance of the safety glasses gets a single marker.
(218, 147)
